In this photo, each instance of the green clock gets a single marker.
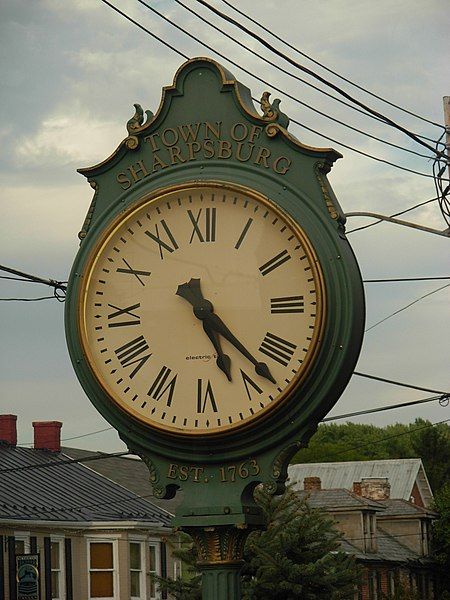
(201, 309)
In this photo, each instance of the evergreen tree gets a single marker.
(296, 557)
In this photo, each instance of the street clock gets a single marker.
(215, 309)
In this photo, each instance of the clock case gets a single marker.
(293, 176)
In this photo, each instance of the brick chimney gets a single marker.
(375, 488)
(357, 488)
(47, 435)
(8, 429)
(312, 484)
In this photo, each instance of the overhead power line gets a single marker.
(397, 214)
(65, 461)
(296, 77)
(397, 279)
(406, 385)
(27, 299)
(407, 306)
(304, 69)
(290, 96)
(441, 399)
(391, 437)
(359, 87)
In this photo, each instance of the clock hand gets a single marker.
(191, 292)
(204, 310)
(219, 326)
(223, 360)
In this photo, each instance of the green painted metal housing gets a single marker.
(211, 121)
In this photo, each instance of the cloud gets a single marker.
(68, 138)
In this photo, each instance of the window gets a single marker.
(57, 567)
(21, 543)
(154, 569)
(101, 569)
(136, 570)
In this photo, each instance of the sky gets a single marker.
(70, 73)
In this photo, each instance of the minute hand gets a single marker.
(219, 326)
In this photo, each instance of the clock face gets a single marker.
(201, 308)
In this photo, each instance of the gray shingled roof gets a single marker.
(65, 492)
(402, 474)
(335, 499)
(389, 550)
(127, 471)
(395, 507)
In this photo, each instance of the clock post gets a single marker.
(215, 309)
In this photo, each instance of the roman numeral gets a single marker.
(161, 385)
(287, 304)
(243, 234)
(248, 381)
(169, 245)
(204, 398)
(137, 273)
(206, 232)
(275, 262)
(131, 354)
(277, 348)
(119, 312)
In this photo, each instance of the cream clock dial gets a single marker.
(201, 308)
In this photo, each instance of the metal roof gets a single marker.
(127, 471)
(65, 492)
(401, 473)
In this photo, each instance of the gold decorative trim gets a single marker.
(219, 545)
(135, 125)
(320, 169)
(316, 271)
(87, 221)
(243, 97)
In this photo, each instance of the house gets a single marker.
(72, 531)
(388, 535)
(407, 476)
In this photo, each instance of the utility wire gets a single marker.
(391, 437)
(68, 461)
(336, 88)
(406, 385)
(290, 74)
(402, 212)
(404, 279)
(27, 299)
(363, 89)
(262, 81)
(405, 307)
(442, 399)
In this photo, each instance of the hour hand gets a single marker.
(191, 292)
(223, 361)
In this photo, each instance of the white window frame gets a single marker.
(111, 539)
(155, 543)
(143, 570)
(23, 536)
(62, 566)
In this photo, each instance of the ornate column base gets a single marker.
(220, 551)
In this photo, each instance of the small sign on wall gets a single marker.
(27, 576)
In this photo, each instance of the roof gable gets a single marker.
(401, 473)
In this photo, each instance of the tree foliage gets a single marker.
(296, 557)
(354, 441)
(441, 538)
